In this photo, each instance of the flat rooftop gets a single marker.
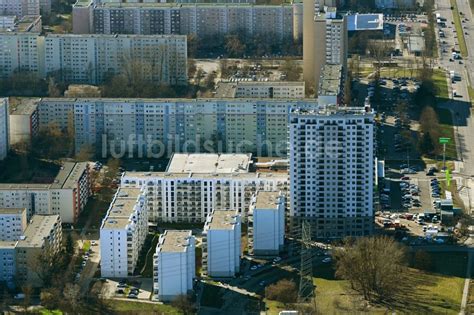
(267, 200)
(204, 176)
(75, 175)
(115, 223)
(9, 186)
(365, 22)
(174, 241)
(38, 229)
(23, 106)
(209, 163)
(63, 175)
(8, 244)
(121, 208)
(4, 211)
(222, 220)
(132, 193)
(154, 5)
(330, 80)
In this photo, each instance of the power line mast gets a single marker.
(306, 289)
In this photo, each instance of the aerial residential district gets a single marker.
(236, 157)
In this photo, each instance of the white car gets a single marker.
(254, 267)
(327, 260)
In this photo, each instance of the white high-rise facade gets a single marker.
(332, 170)
(174, 265)
(221, 244)
(266, 223)
(123, 232)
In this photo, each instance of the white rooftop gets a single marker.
(209, 163)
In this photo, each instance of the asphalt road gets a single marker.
(460, 106)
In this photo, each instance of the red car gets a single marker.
(405, 178)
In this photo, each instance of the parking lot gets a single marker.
(133, 289)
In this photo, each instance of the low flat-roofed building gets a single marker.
(174, 265)
(123, 232)
(209, 163)
(42, 236)
(13, 223)
(416, 44)
(365, 22)
(266, 224)
(221, 244)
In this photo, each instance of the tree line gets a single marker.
(240, 45)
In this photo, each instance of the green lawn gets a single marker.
(447, 130)
(459, 29)
(49, 312)
(128, 307)
(437, 292)
(470, 89)
(439, 78)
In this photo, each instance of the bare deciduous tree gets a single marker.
(284, 291)
(374, 266)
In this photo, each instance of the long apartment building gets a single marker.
(91, 58)
(332, 170)
(174, 265)
(221, 244)
(325, 41)
(4, 128)
(227, 125)
(123, 232)
(204, 182)
(201, 19)
(20, 7)
(21, 52)
(13, 223)
(66, 196)
(42, 234)
(266, 223)
(259, 89)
